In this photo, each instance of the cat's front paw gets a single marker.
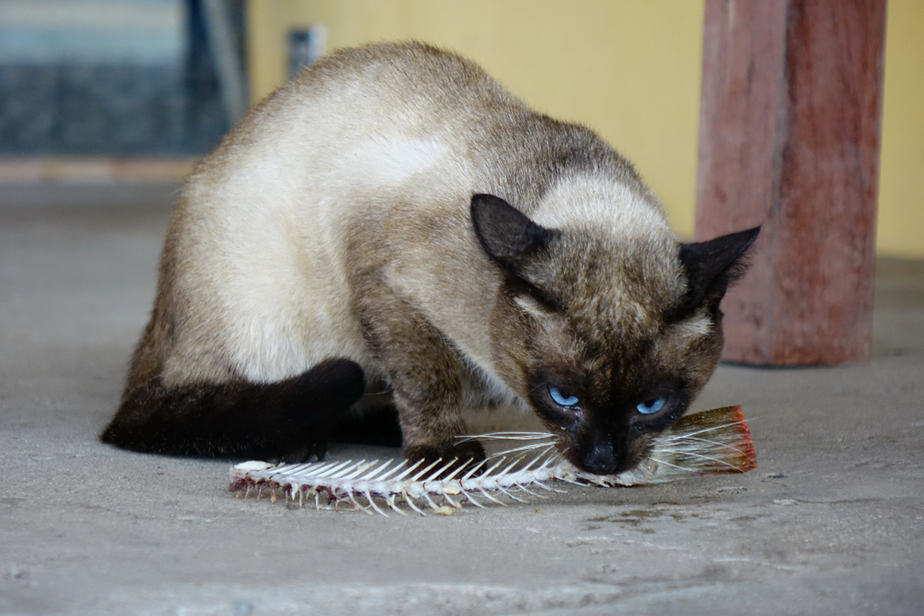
(469, 453)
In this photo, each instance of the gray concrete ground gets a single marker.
(831, 522)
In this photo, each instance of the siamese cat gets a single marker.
(393, 217)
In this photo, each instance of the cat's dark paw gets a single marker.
(305, 409)
(470, 452)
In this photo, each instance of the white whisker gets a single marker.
(506, 436)
(524, 448)
(682, 468)
(737, 422)
(710, 458)
(716, 444)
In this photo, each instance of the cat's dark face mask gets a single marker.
(606, 417)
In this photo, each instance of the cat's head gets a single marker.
(608, 333)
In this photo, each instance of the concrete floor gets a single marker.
(831, 522)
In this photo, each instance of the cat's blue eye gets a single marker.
(562, 398)
(651, 406)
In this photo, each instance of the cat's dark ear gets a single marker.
(507, 235)
(712, 266)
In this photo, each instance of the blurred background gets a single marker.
(136, 90)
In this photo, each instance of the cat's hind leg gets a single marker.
(288, 420)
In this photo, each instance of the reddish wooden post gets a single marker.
(789, 138)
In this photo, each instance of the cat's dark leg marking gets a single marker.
(287, 420)
(424, 373)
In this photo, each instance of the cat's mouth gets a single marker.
(600, 456)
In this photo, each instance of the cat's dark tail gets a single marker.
(288, 420)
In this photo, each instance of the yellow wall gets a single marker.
(629, 69)
(901, 163)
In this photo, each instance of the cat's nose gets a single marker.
(600, 459)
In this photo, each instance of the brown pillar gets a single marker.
(789, 138)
